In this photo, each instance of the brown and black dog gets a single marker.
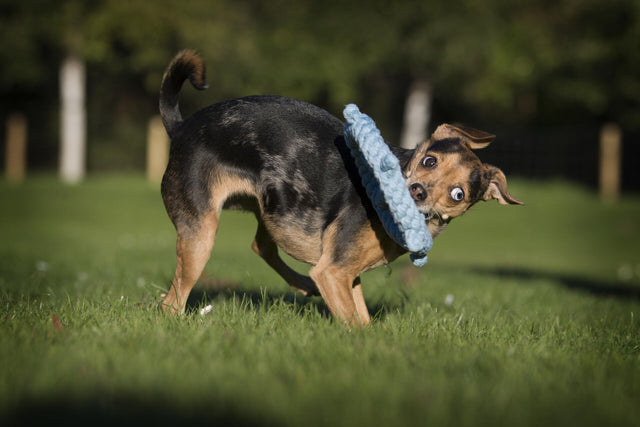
(286, 161)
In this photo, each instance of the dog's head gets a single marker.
(445, 178)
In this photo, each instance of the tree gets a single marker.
(522, 62)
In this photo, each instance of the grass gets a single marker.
(523, 316)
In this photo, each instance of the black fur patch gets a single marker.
(476, 187)
(451, 146)
(448, 145)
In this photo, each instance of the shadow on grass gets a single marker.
(209, 290)
(255, 298)
(125, 411)
(600, 288)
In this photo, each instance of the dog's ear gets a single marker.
(497, 188)
(472, 138)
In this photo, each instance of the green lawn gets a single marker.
(523, 316)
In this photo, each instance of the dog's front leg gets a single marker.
(342, 293)
(358, 299)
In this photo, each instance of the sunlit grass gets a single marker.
(522, 316)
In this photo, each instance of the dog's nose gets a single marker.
(418, 192)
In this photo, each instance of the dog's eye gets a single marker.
(457, 194)
(429, 162)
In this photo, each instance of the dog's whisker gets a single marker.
(432, 213)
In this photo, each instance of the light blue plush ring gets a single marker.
(382, 178)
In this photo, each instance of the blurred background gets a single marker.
(546, 76)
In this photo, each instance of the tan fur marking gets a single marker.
(370, 252)
(226, 185)
(339, 282)
(193, 248)
(190, 57)
(335, 286)
(358, 299)
(450, 172)
(473, 138)
(294, 240)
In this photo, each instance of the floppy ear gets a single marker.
(472, 138)
(497, 188)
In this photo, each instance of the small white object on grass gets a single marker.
(206, 310)
(42, 266)
(448, 300)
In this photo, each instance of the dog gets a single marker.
(286, 161)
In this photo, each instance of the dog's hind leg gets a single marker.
(193, 248)
(264, 246)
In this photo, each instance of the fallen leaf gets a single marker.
(56, 322)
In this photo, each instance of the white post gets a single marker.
(417, 114)
(73, 116)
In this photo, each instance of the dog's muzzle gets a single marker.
(418, 192)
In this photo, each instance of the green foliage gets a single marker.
(523, 316)
(494, 62)
(526, 58)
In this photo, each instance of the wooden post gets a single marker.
(157, 150)
(16, 148)
(610, 161)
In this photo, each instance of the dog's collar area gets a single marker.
(386, 186)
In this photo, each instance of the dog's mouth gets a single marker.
(431, 214)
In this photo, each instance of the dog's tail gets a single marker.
(186, 64)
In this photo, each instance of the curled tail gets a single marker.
(186, 64)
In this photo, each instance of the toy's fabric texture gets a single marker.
(382, 178)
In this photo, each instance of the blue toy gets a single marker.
(382, 178)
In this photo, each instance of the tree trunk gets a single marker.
(417, 114)
(73, 120)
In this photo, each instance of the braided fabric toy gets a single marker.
(382, 178)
